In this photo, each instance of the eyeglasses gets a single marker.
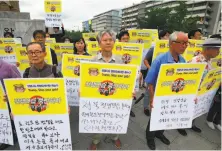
(182, 43)
(37, 53)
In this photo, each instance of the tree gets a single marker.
(168, 18)
(73, 34)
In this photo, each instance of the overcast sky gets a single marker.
(75, 11)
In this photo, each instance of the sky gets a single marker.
(75, 11)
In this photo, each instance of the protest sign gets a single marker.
(40, 113)
(207, 91)
(176, 89)
(60, 49)
(92, 47)
(105, 97)
(53, 13)
(7, 53)
(216, 62)
(130, 53)
(161, 47)
(86, 36)
(194, 48)
(71, 73)
(6, 134)
(50, 40)
(141, 36)
(10, 41)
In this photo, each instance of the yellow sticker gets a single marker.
(53, 6)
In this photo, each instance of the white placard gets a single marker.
(172, 112)
(43, 132)
(53, 19)
(204, 102)
(9, 58)
(104, 116)
(6, 135)
(72, 88)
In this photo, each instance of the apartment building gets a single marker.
(108, 20)
(209, 11)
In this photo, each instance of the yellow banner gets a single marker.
(86, 36)
(141, 36)
(161, 47)
(3, 104)
(7, 49)
(92, 47)
(10, 41)
(71, 64)
(179, 79)
(50, 40)
(36, 96)
(193, 49)
(211, 81)
(22, 58)
(111, 81)
(130, 53)
(62, 48)
(53, 6)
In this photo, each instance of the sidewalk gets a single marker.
(135, 138)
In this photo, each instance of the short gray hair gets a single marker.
(101, 33)
(38, 43)
(173, 36)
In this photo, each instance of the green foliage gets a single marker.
(73, 34)
(168, 18)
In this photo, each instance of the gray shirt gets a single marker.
(45, 72)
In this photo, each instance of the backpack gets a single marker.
(54, 71)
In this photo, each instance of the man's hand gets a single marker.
(151, 104)
(134, 94)
(195, 100)
(5, 98)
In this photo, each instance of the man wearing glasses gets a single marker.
(178, 42)
(39, 68)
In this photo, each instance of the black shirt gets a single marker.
(54, 57)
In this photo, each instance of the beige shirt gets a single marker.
(113, 59)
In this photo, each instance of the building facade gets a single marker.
(208, 11)
(110, 20)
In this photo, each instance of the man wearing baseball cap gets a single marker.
(211, 49)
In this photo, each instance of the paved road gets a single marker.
(135, 137)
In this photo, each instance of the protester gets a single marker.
(211, 49)
(47, 35)
(178, 42)
(195, 34)
(57, 34)
(124, 37)
(106, 40)
(8, 35)
(8, 71)
(39, 69)
(80, 46)
(66, 39)
(163, 35)
(40, 36)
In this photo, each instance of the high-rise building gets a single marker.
(86, 25)
(208, 11)
(108, 20)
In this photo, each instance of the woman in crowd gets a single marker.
(80, 46)
(66, 39)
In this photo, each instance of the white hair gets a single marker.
(173, 36)
(109, 32)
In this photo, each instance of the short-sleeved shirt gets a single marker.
(165, 58)
(113, 59)
(201, 59)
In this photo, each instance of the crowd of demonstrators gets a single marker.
(57, 34)
(163, 35)
(178, 42)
